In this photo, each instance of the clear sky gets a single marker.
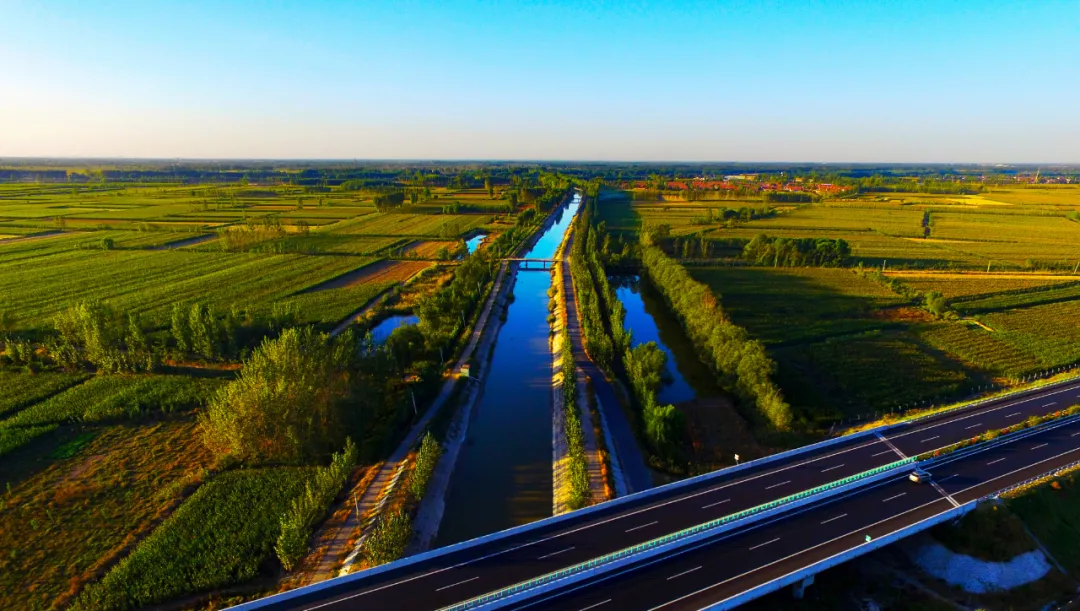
(943, 80)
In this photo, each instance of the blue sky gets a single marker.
(633, 80)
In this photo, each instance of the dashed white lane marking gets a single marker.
(972, 426)
(456, 584)
(715, 504)
(894, 497)
(843, 515)
(765, 543)
(881, 453)
(1049, 404)
(994, 462)
(948, 478)
(930, 439)
(1012, 414)
(596, 605)
(1041, 445)
(1074, 434)
(831, 468)
(777, 485)
(642, 526)
(682, 573)
(556, 553)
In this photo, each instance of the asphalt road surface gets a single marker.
(734, 562)
(466, 573)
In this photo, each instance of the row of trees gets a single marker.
(796, 252)
(740, 362)
(110, 340)
(577, 466)
(609, 342)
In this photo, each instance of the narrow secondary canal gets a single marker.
(650, 320)
(503, 475)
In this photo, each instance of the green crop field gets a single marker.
(867, 374)
(116, 397)
(220, 536)
(21, 390)
(971, 287)
(843, 345)
(148, 282)
(797, 304)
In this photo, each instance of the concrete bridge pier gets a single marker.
(799, 588)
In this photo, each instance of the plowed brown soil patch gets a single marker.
(383, 271)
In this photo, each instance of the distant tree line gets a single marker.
(796, 252)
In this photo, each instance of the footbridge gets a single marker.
(723, 538)
(532, 264)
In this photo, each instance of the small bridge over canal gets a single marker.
(533, 264)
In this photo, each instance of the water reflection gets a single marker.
(650, 320)
(503, 476)
(383, 330)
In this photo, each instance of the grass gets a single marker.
(90, 507)
(990, 532)
(15, 438)
(224, 534)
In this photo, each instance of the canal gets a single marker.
(650, 320)
(503, 476)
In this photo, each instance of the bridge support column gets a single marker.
(798, 589)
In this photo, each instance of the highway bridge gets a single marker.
(457, 573)
(733, 567)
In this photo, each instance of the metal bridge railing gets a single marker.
(670, 538)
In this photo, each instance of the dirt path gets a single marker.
(998, 275)
(31, 238)
(624, 446)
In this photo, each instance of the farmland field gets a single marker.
(222, 535)
(86, 508)
(834, 335)
(968, 286)
(796, 304)
(21, 390)
(149, 282)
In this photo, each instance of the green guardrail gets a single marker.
(675, 536)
